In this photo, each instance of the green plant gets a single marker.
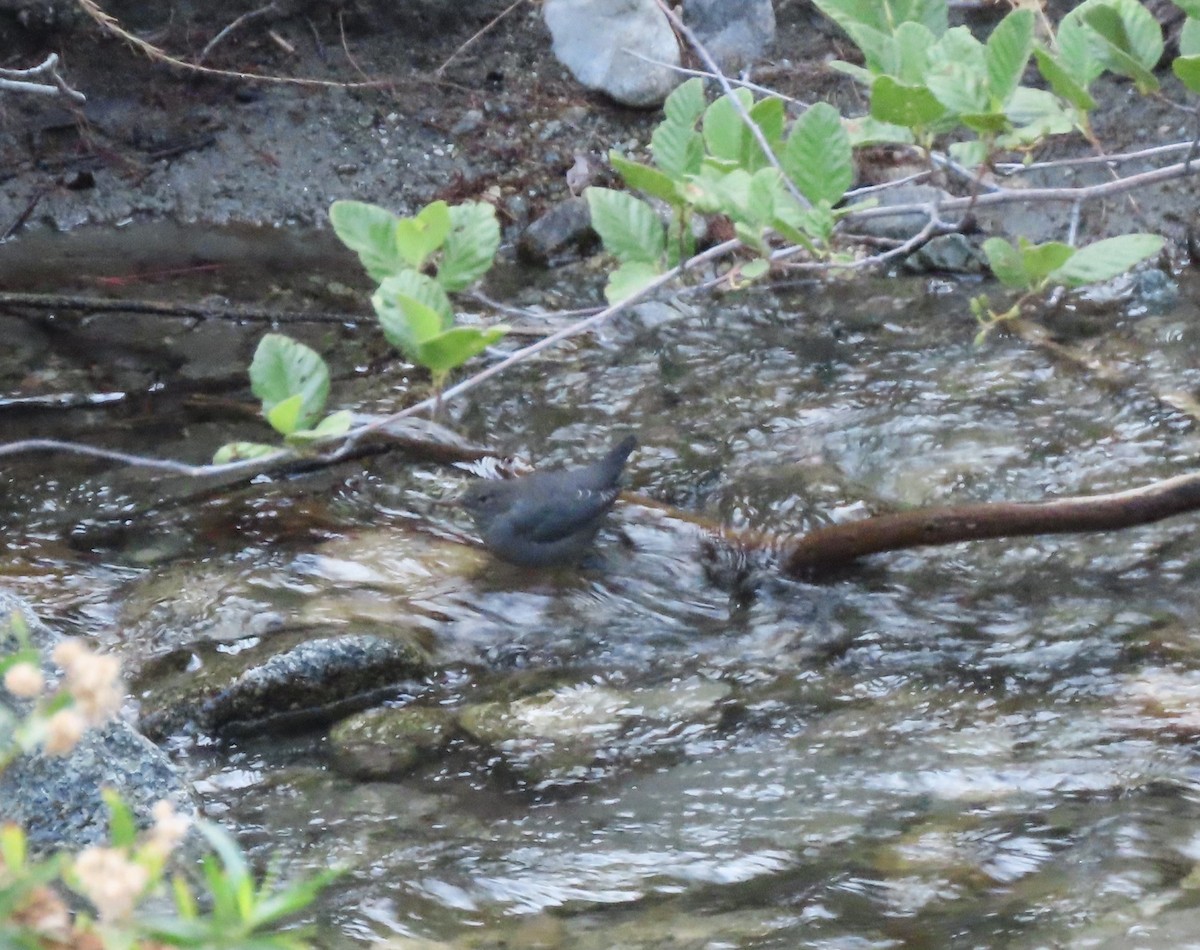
(292, 381)
(1031, 268)
(458, 243)
(708, 160)
(116, 879)
(241, 908)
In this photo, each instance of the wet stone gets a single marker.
(563, 230)
(277, 686)
(578, 732)
(385, 742)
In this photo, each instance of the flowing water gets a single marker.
(974, 746)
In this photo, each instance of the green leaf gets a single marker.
(28, 655)
(686, 103)
(768, 114)
(122, 828)
(1036, 114)
(628, 279)
(1128, 26)
(13, 847)
(284, 417)
(1187, 69)
(913, 46)
(766, 187)
(369, 231)
(1006, 263)
(768, 117)
(1075, 39)
(1129, 39)
(291, 899)
(421, 288)
(969, 154)
(282, 368)
(864, 130)
(870, 23)
(913, 107)
(681, 242)
(452, 348)
(470, 246)
(817, 156)
(418, 237)
(1085, 52)
(725, 131)
(718, 191)
(185, 900)
(960, 89)
(1063, 82)
(334, 424)
(236, 869)
(241, 451)
(1189, 36)
(406, 322)
(1105, 259)
(629, 228)
(1041, 260)
(643, 178)
(855, 72)
(677, 148)
(1007, 53)
(753, 270)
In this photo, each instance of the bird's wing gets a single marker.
(545, 522)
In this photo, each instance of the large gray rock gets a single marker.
(596, 40)
(57, 799)
(735, 32)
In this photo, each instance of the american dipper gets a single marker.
(547, 518)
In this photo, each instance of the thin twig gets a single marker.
(197, 311)
(884, 186)
(1008, 195)
(478, 33)
(349, 442)
(686, 32)
(1015, 168)
(243, 19)
(705, 74)
(524, 353)
(110, 24)
(17, 80)
(26, 446)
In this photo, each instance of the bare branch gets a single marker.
(195, 311)
(705, 74)
(836, 546)
(243, 19)
(18, 80)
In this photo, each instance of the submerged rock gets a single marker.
(286, 683)
(578, 732)
(385, 742)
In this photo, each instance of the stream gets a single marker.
(973, 746)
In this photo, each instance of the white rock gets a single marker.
(596, 40)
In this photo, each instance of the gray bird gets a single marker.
(547, 519)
